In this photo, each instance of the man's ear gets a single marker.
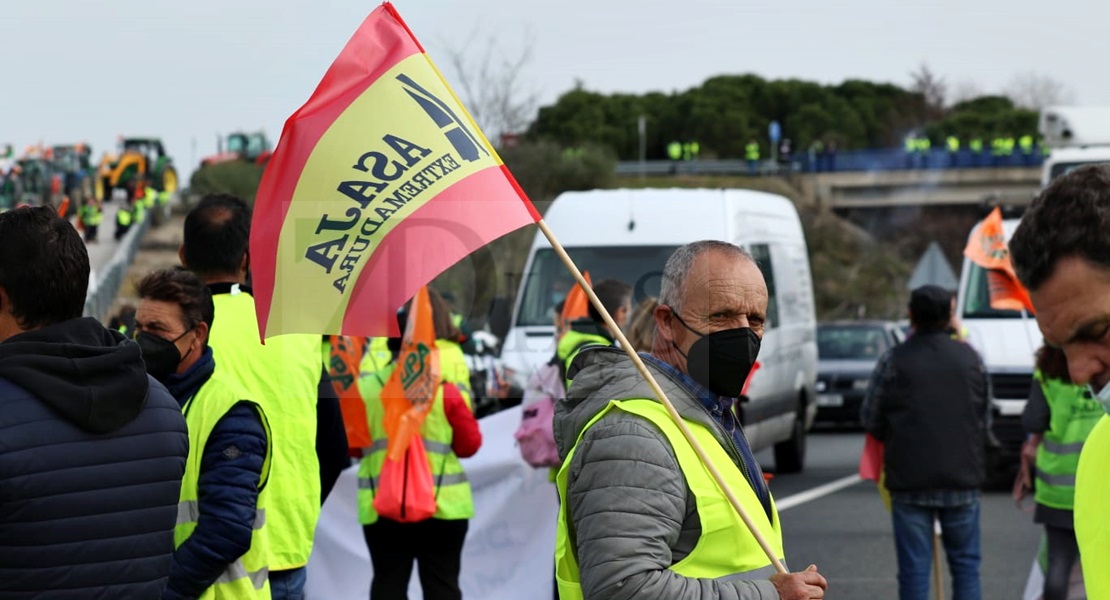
(202, 332)
(181, 255)
(663, 320)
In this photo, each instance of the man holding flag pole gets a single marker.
(382, 181)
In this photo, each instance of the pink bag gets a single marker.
(536, 434)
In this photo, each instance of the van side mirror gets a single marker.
(500, 317)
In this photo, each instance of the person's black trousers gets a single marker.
(435, 545)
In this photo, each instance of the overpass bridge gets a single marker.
(940, 187)
(859, 184)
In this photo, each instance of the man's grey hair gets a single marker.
(680, 263)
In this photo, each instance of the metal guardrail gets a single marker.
(842, 161)
(103, 292)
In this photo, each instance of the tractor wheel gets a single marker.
(168, 180)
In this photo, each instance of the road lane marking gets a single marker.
(817, 492)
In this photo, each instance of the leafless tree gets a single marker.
(1035, 91)
(932, 88)
(964, 91)
(493, 84)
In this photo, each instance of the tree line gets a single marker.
(726, 112)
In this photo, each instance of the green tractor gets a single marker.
(141, 161)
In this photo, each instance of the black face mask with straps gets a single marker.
(721, 361)
(160, 355)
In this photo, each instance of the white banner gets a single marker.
(510, 547)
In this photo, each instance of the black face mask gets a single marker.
(722, 360)
(160, 355)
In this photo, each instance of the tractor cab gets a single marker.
(140, 160)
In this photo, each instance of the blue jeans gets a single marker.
(288, 585)
(913, 537)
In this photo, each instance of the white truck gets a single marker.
(1076, 136)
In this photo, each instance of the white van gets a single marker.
(1077, 136)
(1007, 341)
(629, 234)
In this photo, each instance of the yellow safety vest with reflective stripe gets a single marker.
(1092, 520)
(452, 489)
(163, 198)
(1073, 414)
(150, 198)
(123, 217)
(248, 576)
(283, 377)
(726, 549)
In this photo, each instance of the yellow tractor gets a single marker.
(140, 161)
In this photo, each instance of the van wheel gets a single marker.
(790, 455)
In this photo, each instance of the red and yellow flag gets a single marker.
(988, 249)
(411, 389)
(380, 182)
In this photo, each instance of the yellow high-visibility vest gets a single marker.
(726, 549)
(283, 377)
(247, 577)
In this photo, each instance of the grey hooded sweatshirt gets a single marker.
(631, 515)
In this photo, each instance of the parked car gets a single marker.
(846, 355)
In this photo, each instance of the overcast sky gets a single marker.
(186, 70)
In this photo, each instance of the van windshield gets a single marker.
(1063, 168)
(977, 297)
(549, 281)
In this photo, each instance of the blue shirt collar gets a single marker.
(711, 401)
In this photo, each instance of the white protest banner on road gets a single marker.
(510, 547)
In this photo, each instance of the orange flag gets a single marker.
(411, 389)
(343, 366)
(577, 303)
(988, 249)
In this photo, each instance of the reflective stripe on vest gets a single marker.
(248, 576)
(725, 550)
(283, 377)
(1072, 415)
(1092, 496)
(453, 494)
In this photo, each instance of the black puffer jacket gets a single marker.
(91, 457)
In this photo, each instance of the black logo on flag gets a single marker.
(455, 129)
